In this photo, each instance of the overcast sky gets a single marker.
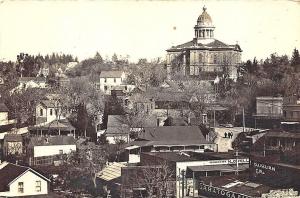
(143, 29)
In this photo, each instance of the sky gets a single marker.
(144, 29)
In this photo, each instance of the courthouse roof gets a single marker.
(214, 45)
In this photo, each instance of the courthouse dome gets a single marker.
(204, 19)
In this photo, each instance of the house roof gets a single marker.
(173, 135)
(112, 171)
(119, 124)
(63, 125)
(282, 134)
(3, 107)
(9, 172)
(13, 138)
(48, 103)
(52, 140)
(111, 74)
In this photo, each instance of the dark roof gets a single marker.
(243, 187)
(172, 156)
(13, 138)
(9, 172)
(215, 44)
(173, 135)
(63, 125)
(119, 124)
(3, 107)
(52, 140)
(48, 103)
(282, 134)
(221, 167)
(111, 74)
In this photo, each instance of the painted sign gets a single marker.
(212, 191)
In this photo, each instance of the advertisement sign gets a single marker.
(212, 191)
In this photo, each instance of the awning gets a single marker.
(112, 171)
(221, 167)
(289, 122)
(132, 147)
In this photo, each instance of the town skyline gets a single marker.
(147, 28)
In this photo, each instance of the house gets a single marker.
(114, 80)
(268, 112)
(120, 127)
(5, 123)
(291, 113)
(49, 110)
(32, 82)
(21, 181)
(183, 166)
(169, 139)
(55, 127)
(13, 144)
(44, 150)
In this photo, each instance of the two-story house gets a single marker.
(21, 181)
(268, 112)
(114, 80)
(48, 110)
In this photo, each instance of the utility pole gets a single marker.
(182, 187)
(237, 162)
(243, 119)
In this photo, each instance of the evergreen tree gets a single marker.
(295, 60)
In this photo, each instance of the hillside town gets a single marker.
(198, 123)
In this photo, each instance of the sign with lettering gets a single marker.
(228, 161)
(261, 168)
(212, 191)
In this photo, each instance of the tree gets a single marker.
(295, 60)
(158, 179)
(86, 162)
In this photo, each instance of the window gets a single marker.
(61, 152)
(105, 88)
(200, 58)
(105, 80)
(41, 112)
(38, 186)
(126, 88)
(115, 80)
(51, 112)
(21, 187)
(215, 58)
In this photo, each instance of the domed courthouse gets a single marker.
(204, 57)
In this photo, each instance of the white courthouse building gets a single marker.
(204, 57)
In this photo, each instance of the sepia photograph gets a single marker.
(150, 99)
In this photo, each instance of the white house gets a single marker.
(3, 114)
(114, 80)
(52, 145)
(47, 111)
(17, 181)
(32, 82)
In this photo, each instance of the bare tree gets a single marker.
(158, 180)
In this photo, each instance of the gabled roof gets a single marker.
(63, 125)
(52, 140)
(3, 107)
(111, 74)
(215, 44)
(119, 124)
(10, 172)
(173, 135)
(13, 138)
